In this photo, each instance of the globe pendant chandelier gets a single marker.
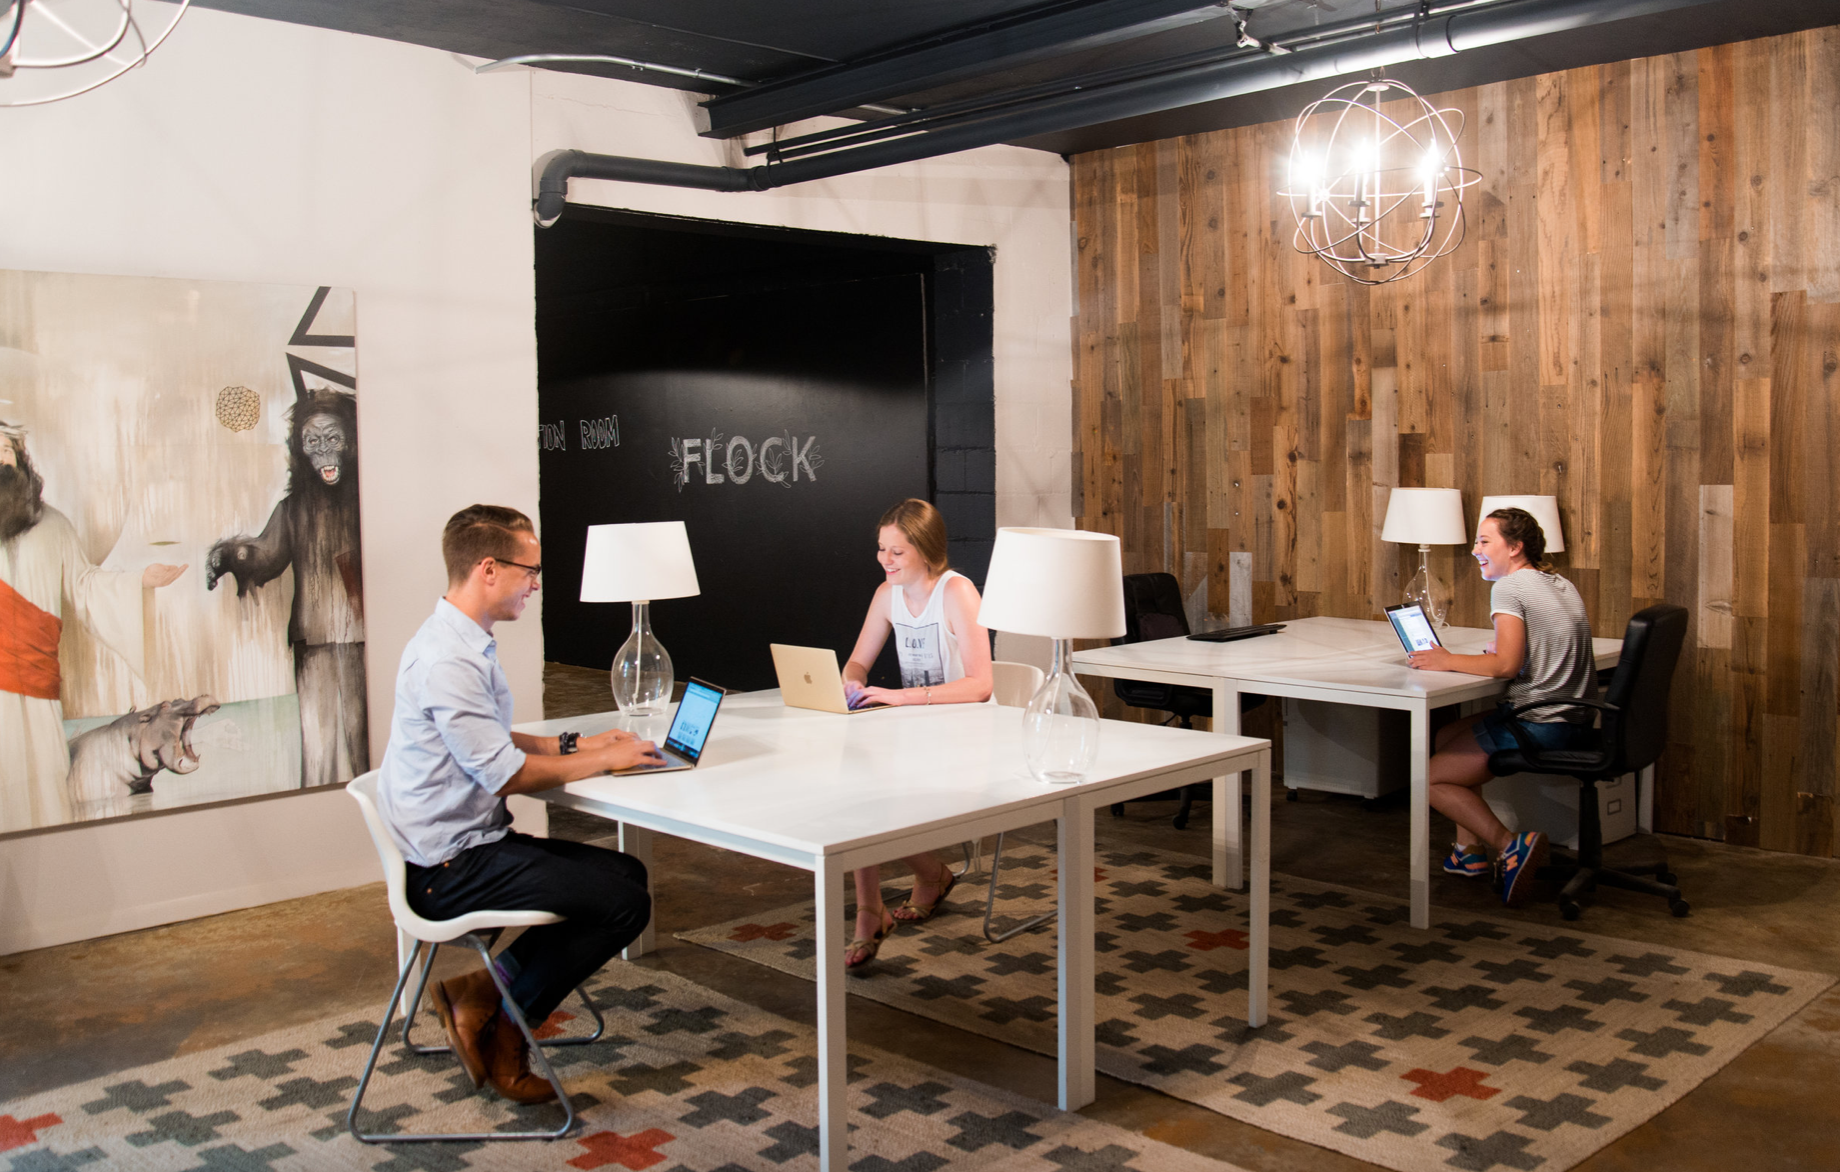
(1376, 182)
(56, 49)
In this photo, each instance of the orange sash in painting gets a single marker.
(28, 647)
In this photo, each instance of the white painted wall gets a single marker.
(248, 150)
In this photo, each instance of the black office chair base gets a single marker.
(1645, 878)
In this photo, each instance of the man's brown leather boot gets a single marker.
(466, 1005)
(508, 1065)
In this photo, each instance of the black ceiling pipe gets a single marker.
(555, 169)
(1059, 28)
(1437, 37)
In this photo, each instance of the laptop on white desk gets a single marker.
(683, 744)
(810, 678)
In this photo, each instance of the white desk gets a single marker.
(1341, 661)
(828, 793)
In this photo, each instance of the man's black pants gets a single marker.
(601, 892)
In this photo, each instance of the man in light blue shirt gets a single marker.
(451, 762)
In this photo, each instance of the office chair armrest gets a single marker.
(1515, 712)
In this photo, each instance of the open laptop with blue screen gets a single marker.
(683, 744)
(1413, 628)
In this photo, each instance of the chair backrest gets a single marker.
(1014, 684)
(1637, 732)
(1152, 608)
(363, 790)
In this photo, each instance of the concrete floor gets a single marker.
(84, 1010)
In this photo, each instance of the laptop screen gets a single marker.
(1413, 628)
(695, 713)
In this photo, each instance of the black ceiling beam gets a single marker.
(1061, 27)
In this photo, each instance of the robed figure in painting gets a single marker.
(314, 530)
(46, 581)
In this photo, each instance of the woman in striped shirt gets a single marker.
(1543, 644)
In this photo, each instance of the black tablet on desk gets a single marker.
(1414, 630)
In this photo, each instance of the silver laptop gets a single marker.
(809, 678)
(683, 744)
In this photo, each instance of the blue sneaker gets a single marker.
(1520, 862)
(1471, 864)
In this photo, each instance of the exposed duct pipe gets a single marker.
(1439, 36)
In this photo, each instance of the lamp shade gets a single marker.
(1425, 516)
(1545, 510)
(1061, 583)
(638, 563)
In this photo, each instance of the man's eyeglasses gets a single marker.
(534, 571)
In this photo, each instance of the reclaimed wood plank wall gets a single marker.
(1644, 321)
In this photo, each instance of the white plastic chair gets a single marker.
(1013, 685)
(478, 929)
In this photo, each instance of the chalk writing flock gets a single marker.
(715, 459)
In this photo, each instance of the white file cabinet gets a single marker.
(1344, 749)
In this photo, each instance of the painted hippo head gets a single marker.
(163, 734)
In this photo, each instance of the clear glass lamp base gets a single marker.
(1061, 725)
(1428, 592)
(642, 675)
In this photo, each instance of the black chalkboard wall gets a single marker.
(776, 415)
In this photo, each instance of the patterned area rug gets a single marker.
(685, 1079)
(1479, 1044)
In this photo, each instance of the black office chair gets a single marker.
(1632, 733)
(1153, 610)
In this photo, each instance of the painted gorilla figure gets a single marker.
(314, 529)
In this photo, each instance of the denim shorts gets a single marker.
(1559, 735)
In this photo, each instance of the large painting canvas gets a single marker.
(181, 592)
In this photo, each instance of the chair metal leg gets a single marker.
(516, 1015)
(990, 903)
(974, 858)
(600, 1023)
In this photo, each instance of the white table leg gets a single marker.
(1258, 970)
(1420, 871)
(1229, 863)
(833, 1069)
(1076, 955)
(637, 842)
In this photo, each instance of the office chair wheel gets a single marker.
(1570, 910)
(1667, 877)
(1679, 907)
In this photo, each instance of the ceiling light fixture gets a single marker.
(93, 41)
(1376, 181)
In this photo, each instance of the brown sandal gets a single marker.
(862, 950)
(914, 913)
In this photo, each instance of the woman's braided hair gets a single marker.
(1519, 527)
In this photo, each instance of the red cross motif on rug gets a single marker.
(16, 1132)
(1209, 941)
(552, 1025)
(749, 932)
(629, 1151)
(1459, 1081)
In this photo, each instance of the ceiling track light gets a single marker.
(1376, 181)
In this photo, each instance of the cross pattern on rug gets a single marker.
(685, 1080)
(1476, 1045)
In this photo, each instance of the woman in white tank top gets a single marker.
(945, 659)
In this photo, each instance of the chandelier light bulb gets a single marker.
(1396, 203)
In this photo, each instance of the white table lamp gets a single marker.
(1545, 510)
(636, 564)
(1064, 584)
(1426, 517)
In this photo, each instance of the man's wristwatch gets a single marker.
(565, 742)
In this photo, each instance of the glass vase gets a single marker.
(1428, 592)
(642, 678)
(1061, 724)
